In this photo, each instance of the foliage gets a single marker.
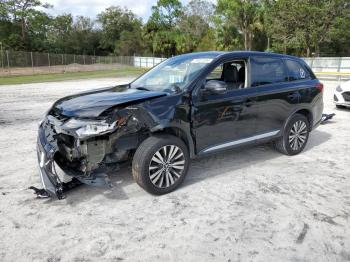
(302, 26)
(161, 29)
(118, 26)
(299, 27)
(241, 14)
(194, 26)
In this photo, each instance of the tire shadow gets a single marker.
(200, 169)
(241, 158)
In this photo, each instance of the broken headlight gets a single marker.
(85, 128)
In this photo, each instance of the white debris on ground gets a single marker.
(251, 204)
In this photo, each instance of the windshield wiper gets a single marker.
(142, 88)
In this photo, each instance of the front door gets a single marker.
(224, 120)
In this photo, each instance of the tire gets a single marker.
(340, 106)
(160, 164)
(296, 130)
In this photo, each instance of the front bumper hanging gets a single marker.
(52, 185)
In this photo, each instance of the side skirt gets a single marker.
(239, 142)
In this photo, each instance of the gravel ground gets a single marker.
(251, 204)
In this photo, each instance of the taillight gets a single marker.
(319, 86)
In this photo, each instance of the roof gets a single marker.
(239, 53)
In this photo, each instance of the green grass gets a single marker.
(124, 71)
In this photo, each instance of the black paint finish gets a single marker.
(93, 104)
(200, 118)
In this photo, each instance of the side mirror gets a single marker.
(216, 87)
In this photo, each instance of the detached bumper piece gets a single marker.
(47, 152)
(326, 117)
(42, 193)
(52, 185)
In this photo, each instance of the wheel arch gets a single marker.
(179, 132)
(305, 112)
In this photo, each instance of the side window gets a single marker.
(296, 70)
(266, 70)
(232, 73)
(215, 74)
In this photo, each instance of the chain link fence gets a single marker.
(147, 62)
(28, 63)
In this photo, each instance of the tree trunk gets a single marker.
(317, 50)
(308, 51)
(250, 41)
(23, 29)
(245, 40)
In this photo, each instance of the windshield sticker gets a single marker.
(201, 61)
(302, 73)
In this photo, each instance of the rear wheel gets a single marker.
(160, 164)
(295, 136)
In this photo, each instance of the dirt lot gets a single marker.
(252, 204)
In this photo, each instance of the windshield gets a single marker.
(173, 74)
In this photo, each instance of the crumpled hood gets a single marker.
(93, 103)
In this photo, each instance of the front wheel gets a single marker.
(160, 164)
(295, 136)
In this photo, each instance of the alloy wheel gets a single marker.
(298, 135)
(166, 166)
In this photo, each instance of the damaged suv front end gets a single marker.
(87, 140)
(89, 135)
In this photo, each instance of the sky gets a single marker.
(91, 8)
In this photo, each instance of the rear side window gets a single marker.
(266, 70)
(296, 71)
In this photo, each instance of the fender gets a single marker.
(185, 130)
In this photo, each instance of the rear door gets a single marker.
(278, 96)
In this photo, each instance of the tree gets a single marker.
(21, 10)
(166, 13)
(60, 32)
(160, 30)
(208, 41)
(115, 21)
(242, 14)
(304, 24)
(194, 24)
(16, 17)
(83, 36)
(339, 43)
(129, 43)
(299, 27)
(39, 26)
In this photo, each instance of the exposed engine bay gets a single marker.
(87, 147)
(84, 146)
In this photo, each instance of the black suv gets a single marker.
(187, 106)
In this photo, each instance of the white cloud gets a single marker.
(91, 8)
